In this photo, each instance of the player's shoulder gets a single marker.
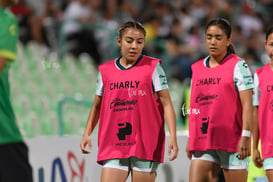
(199, 62)
(108, 63)
(240, 62)
(233, 58)
(261, 69)
(6, 14)
(151, 59)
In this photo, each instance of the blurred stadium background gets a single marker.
(52, 87)
(53, 96)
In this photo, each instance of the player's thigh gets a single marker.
(138, 176)
(269, 174)
(234, 169)
(204, 166)
(232, 175)
(115, 170)
(113, 175)
(203, 170)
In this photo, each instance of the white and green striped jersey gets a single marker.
(257, 92)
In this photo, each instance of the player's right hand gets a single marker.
(86, 141)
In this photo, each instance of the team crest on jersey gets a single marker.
(204, 128)
(12, 29)
(124, 129)
(205, 125)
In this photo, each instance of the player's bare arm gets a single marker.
(166, 102)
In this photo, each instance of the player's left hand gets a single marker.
(244, 148)
(86, 141)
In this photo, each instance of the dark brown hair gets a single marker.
(225, 26)
(131, 24)
(268, 32)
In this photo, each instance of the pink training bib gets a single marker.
(218, 122)
(131, 119)
(265, 76)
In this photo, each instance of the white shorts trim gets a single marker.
(123, 168)
(269, 167)
(205, 158)
(148, 170)
(233, 167)
(132, 163)
(268, 163)
(213, 156)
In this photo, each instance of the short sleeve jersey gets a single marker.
(257, 92)
(212, 89)
(9, 131)
(263, 98)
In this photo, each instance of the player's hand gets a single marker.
(172, 149)
(257, 158)
(86, 141)
(244, 147)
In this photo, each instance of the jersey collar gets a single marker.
(119, 66)
(206, 60)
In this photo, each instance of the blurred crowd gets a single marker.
(174, 28)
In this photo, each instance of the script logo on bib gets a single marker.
(202, 99)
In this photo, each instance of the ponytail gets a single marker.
(231, 49)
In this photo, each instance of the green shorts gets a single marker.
(268, 163)
(132, 163)
(226, 160)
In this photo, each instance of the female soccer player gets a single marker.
(263, 111)
(14, 155)
(221, 91)
(131, 99)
